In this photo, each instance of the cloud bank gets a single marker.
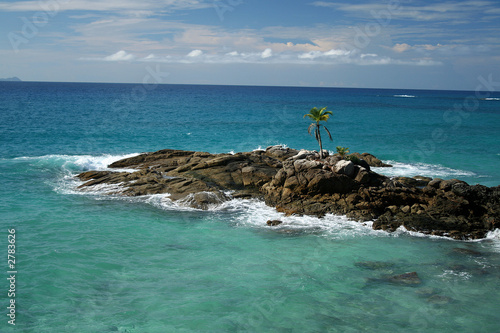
(267, 56)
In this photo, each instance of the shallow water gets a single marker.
(88, 262)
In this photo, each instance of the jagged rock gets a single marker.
(273, 223)
(417, 181)
(363, 176)
(304, 165)
(280, 152)
(447, 185)
(93, 175)
(435, 183)
(257, 176)
(370, 159)
(332, 160)
(303, 154)
(362, 163)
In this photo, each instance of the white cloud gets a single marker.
(119, 56)
(328, 54)
(267, 53)
(195, 53)
(400, 48)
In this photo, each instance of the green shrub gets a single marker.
(353, 158)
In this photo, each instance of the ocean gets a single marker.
(89, 262)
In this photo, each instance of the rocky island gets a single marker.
(299, 182)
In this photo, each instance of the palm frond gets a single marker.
(327, 131)
(310, 127)
(317, 115)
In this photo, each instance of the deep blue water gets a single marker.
(92, 263)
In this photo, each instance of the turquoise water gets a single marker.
(87, 262)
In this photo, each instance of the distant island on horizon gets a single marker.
(15, 78)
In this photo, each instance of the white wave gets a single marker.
(421, 169)
(79, 163)
(254, 213)
(163, 201)
(403, 231)
(66, 167)
(450, 274)
(495, 234)
(492, 99)
(405, 96)
(494, 237)
(100, 162)
(67, 183)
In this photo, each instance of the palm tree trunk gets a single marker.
(320, 143)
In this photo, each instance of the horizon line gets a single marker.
(237, 85)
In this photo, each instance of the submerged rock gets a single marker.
(405, 279)
(273, 223)
(374, 265)
(204, 200)
(425, 292)
(470, 252)
(439, 299)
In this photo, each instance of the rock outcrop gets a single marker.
(297, 182)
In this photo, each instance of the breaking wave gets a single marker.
(421, 169)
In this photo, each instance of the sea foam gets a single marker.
(77, 163)
(421, 169)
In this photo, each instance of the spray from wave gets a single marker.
(421, 169)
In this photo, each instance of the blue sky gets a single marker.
(368, 44)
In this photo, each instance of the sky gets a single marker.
(407, 44)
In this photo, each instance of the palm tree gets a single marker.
(343, 151)
(317, 116)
